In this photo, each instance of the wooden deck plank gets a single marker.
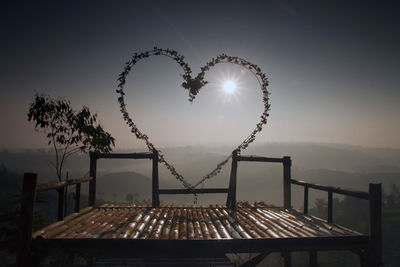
(200, 248)
(191, 223)
(227, 225)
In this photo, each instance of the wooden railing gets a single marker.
(156, 191)
(61, 188)
(330, 190)
(374, 196)
(144, 155)
(287, 163)
(29, 190)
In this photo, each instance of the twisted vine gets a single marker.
(193, 85)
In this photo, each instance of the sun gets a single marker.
(229, 87)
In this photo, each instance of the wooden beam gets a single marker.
(80, 180)
(231, 198)
(305, 209)
(337, 190)
(155, 192)
(92, 184)
(193, 191)
(364, 259)
(149, 247)
(143, 155)
(56, 185)
(77, 197)
(60, 211)
(259, 159)
(375, 209)
(287, 259)
(50, 186)
(313, 256)
(287, 194)
(26, 219)
(256, 260)
(330, 206)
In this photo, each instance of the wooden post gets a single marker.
(375, 209)
(155, 186)
(313, 256)
(231, 199)
(77, 197)
(330, 206)
(256, 260)
(287, 259)
(287, 163)
(364, 259)
(92, 183)
(305, 200)
(60, 212)
(26, 223)
(66, 195)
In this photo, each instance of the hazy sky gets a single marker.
(333, 68)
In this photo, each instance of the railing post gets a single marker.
(305, 211)
(77, 197)
(375, 209)
(26, 220)
(287, 259)
(287, 163)
(60, 212)
(313, 256)
(330, 206)
(155, 186)
(92, 183)
(231, 199)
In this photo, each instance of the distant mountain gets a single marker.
(115, 186)
(331, 164)
(255, 183)
(347, 158)
(194, 161)
(42, 163)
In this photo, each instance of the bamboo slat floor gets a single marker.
(256, 221)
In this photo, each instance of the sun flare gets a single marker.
(229, 87)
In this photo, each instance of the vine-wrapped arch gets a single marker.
(193, 85)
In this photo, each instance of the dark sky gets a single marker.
(333, 68)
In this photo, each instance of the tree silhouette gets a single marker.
(68, 131)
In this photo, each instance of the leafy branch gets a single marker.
(68, 131)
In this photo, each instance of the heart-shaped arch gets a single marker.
(193, 85)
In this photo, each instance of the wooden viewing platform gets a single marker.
(170, 231)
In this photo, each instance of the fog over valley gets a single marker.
(345, 166)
